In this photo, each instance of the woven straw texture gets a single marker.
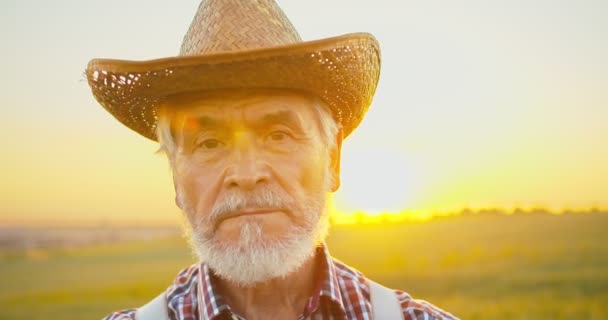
(242, 44)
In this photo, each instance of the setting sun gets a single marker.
(376, 181)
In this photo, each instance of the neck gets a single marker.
(279, 298)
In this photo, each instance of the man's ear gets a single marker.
(175, 188)
(334, 158)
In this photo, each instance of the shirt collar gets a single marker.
(210, 302)
(327, 289)
(327, 279)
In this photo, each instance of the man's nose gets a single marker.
(246, 169)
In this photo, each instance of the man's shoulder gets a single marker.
(128, 314)
(185, 279)
(412, 308)
(182, 284)
(421, 309)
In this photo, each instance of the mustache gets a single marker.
(260, 198)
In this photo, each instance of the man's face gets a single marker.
(251, 173)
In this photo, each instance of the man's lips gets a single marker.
(249, 212)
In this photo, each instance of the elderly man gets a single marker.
(252, 120)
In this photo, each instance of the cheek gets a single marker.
(196, 189)
(313, 173)
(310, 177)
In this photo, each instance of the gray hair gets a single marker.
(328, 128)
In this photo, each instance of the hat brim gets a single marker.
(343, 71)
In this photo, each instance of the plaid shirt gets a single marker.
(340, 293)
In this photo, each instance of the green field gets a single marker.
(477, 267)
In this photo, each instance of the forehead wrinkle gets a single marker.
(283, 116)
(207, 112)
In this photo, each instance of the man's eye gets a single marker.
(278, 136)
(210, 144)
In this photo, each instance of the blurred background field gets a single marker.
(525, 266)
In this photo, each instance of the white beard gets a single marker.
(253, 259)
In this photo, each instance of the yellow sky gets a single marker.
(480, 104)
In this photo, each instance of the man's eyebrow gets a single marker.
(286, 117)
(208, 122)
(194, 124)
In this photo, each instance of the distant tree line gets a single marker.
(407, 217)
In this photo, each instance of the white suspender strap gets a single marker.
(385, 305)
(153, 310)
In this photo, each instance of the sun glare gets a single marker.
(374, 182)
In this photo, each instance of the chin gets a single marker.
(256, 256)
(250, 231)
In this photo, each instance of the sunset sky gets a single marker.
(480, 104)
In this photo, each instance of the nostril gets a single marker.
(247, 174)
(243, 182)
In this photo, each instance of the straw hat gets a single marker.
(242, 44)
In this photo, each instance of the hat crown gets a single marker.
(231, 25)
